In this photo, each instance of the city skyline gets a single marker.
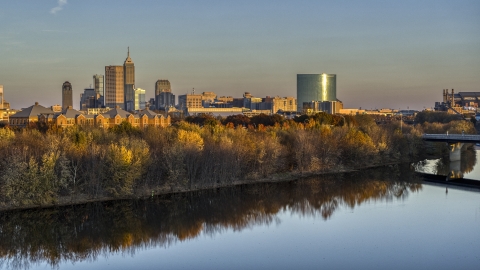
(394, 55)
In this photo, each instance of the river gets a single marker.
(374, 219)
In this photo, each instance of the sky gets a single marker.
(386, 54)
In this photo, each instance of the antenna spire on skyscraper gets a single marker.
(128, 51)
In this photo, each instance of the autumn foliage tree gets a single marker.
(77, 163)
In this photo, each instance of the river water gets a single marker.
(375, 219)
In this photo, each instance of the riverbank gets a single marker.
(44, 168)
(146, 193)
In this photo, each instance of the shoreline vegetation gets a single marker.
(44, 166)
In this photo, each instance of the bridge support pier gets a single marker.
(455, 157)
(455, 151)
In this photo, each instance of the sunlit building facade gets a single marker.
(139, 99)
(114, 87)
(316, 87)
(331, 107)
(129, 80)
(285, 104)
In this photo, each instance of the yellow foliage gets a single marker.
(6, 134)
(356, 137)
(190, 138)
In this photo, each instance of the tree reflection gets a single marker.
(83, 232)
(451, 169)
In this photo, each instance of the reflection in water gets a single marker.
(83, 232)
(453, 169)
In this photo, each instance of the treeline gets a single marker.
(49, 166)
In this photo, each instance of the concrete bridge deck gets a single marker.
(452, 138)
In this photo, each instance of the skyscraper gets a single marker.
(316, 87)
(89, 99)
(67, 95)
(114, 87)
(162, 86)
(129, 81)
(163, 95)
(98, 85)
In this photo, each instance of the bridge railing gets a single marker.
(462, 137)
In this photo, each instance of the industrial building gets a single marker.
(461, 102)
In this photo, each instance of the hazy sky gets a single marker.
(395, 54)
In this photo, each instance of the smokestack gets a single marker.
(453, 98)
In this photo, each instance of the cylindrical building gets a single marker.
(67, 95)
(316, 87)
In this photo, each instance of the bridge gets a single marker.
(452, 138)
(455, 143)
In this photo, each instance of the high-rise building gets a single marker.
(1, 96)
(316, 87)
(163, 95)
(67, 95)
(162, 86)
(165, 100)
(114, 87)
(139, 99)
(89, 99)
(99, 85)
(129, 81)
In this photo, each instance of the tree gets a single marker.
(237, 120)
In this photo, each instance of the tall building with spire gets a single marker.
(67, 95)
(129, 82)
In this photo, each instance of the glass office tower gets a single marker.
(316, 87)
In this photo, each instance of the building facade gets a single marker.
(162, 86)
(28, 115)
(139, 99)
(67, 95)
(331, 107)
(461, 102)
(99, 86)
(1, 96)
(129, 81)
(114, 87)
(113, 117)
(189, 101)
(285, 104)
(316, 87)
(164, 98)
(90, 99)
